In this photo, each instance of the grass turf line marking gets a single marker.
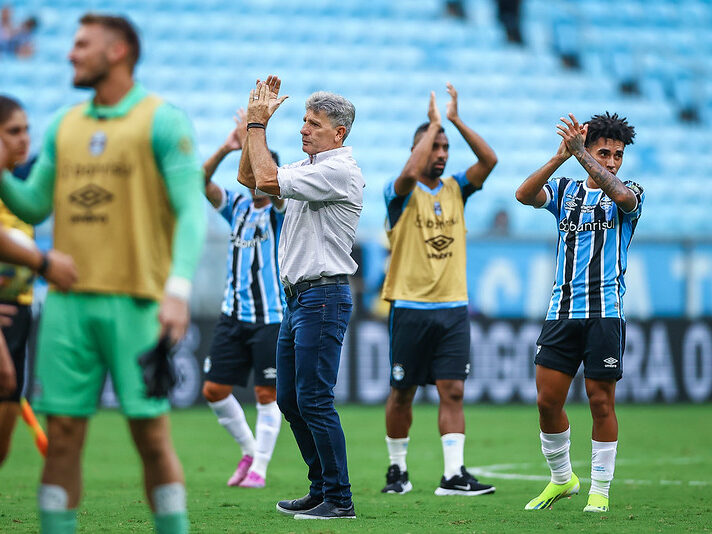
(495, 471)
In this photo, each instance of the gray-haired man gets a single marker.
(325, 193)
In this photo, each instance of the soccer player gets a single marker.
(121, 173)
(426, 285)
(16, 284)
(246, 335)
(596, 218)
(325, 196)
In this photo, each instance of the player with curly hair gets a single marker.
(585, 322)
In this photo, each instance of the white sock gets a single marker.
(231, 416)
(397, 450)
(555, 448)
(52, 498)
(603, 465)
(269, 419)
(169, 498)
(453, 453)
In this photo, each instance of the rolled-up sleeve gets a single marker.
(326, 180)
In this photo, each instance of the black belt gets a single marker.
(301, 287)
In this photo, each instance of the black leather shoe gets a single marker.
(328, 510)
(296, 506)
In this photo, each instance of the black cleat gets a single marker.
(397, 482)
(463, 484)
(297, 506)
(328, 510)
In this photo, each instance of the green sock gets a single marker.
(58, 522)
(176, 523)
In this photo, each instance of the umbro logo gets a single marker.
(439, 242)
(270, 373)
(90, 196)
(610, 362)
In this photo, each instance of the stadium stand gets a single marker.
(386, 56)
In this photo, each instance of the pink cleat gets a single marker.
(252, 480)
(241, 471)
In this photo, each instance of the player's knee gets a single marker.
(402, 398)
(64, 438)
(453, 394)
(601, 405)
(215, 392)
(265, 394)
(548, 404)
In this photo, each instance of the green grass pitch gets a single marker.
(663, 476)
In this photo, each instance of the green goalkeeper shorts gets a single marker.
(84, 335)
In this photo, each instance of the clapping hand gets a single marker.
(451, 111)
(433, 112)
(573, 133)
(236, 139)
(264, 100)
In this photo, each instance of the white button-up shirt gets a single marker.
(325, 195)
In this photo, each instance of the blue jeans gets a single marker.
(308, 354)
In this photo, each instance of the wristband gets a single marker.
(255, 125)
(44, 266)
(179, 287)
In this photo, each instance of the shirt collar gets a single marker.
(130, 99)
(321, 156)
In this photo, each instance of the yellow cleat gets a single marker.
(596, 503)
(553, 492)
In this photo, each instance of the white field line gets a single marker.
(509, 472)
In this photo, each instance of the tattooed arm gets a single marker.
(609, 183)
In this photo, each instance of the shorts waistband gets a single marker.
(300, 287)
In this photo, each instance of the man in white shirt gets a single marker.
(325, 195)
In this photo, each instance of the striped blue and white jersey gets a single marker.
(592, 249)
(253, 292)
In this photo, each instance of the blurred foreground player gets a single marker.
(245, 337)
(16, 246)
(426, 284)
(325, 197)
(596, 219)
(122, 176)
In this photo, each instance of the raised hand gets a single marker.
(563, 152)
(236, 138)
(274, 85)
(451, 110)
(263, 102)
(433, 112)
(573, 133)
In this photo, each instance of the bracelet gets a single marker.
(44, 266)
(255, 125)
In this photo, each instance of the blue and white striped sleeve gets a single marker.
(551, 188)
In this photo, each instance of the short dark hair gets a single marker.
(609, 127)
(420, 129)
(8, 106)
(120, 25)
(275, 157)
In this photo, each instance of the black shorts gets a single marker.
(237, 348)
(16, 336)
(599, 343)
(428, 345)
